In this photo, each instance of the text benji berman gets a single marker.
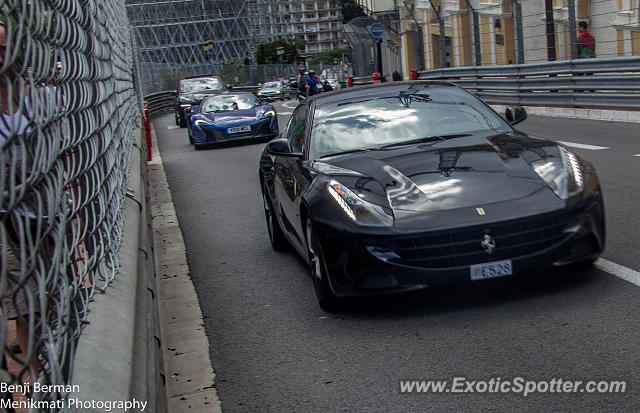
(26, 388)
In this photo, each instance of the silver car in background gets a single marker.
(274, 90)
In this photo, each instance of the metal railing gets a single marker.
(587, 83)
(69, 110)
(160, 102)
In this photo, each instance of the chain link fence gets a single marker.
(69, 109)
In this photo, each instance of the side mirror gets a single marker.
(228, 86)
(515, 115)
(281, 147)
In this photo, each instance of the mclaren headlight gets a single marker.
(563, 175)
(357, 209)
(202, 122)
(268, 114)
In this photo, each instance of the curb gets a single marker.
(189, 374)
(577, 113)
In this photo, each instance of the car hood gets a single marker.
(234, 117)
(461, 172)
(198, 96)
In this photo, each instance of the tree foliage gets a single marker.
(351, 10)
(268, 52)
(331, 57)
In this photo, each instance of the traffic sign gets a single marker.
(377, 30)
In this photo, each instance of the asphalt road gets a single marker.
(275, 350)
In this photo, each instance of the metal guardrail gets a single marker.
(588, 83)
(252, 89)
(363, 80)
(160, 102)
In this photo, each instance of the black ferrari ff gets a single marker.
(408, 185)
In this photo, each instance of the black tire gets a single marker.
(319, 274)
(190, 139)
(183, 123)
(177, 120)
(276, 236)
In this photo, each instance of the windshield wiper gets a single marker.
(346, 152)
(424, 139)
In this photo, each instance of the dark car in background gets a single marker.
(231, 117)
(191, 91)
(271, 91)
(410, 185)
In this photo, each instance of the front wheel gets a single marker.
(326, 298)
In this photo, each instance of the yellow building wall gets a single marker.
(408, 42)
(485, 40)
(464, 30)
(635, 42)
(620, 42)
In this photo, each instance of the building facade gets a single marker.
(318, 22)
(615, 25)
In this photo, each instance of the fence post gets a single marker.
(476, 34)
(147, 130)
(516, 10)
(571, 5)
(350, 81)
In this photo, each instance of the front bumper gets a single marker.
(265, 129)
(369, 264)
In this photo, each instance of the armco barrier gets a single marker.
(612, 83)
(119, 354)
(160, 102)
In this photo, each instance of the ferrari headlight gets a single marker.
(268, 114)
(357, 209)
(202, 122)
(563, 175)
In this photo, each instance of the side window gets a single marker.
(296, 128)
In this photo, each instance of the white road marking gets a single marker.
(171, 127)
(285, 113)
(290, 104)
(618, 270)
(584, 146)
(638, 155)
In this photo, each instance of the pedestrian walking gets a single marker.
(586, 42)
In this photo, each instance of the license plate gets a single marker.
(239, 129)
(491, 270)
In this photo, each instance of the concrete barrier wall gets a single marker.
(119, 356)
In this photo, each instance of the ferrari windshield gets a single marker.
(370, 122)
(200, 85)
(225, 103)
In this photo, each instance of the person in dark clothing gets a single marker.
(586, 42)
(312, 84)
(302, 83)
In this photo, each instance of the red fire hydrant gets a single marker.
(414, 74)
(377, 77)
(350, 81)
